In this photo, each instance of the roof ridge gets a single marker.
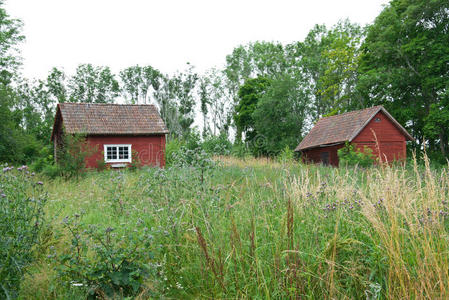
(352, 111)
(111, 104)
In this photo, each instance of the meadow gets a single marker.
(246, 228)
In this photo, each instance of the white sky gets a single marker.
(166, 33)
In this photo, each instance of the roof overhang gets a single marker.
(320, 146)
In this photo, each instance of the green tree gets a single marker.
(249, 95)
(92, 84)
(404, 67)
(138, 83)
(280, 116)
(10, 37)
(216, 103)
(339, 80)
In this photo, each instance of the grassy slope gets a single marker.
(266, 230)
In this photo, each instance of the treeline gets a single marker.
(267, 95)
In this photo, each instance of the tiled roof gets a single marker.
(111, 119)
(344, 127)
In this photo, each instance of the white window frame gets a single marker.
(117, 160)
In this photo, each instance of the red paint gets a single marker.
(150, 149)
(390, 145)
(314, 155)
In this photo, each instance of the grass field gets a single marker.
(261, 229)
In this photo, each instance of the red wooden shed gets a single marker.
(114, 132)
(372, 127)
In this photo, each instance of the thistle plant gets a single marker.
(22, 201)
(104, 261)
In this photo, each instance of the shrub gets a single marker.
(240, 150)
(22, 201)
(101, 163)
(45, 159)
(71, 156)
(286, 155)
(217, 145)
(104, 263)
(171, 148)
(350, 157)
(135, 161)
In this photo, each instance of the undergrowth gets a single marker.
(258, 228)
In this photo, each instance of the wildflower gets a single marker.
(40, 183)
(109, 229)
(65, 220)
(6, 169)
(3, 195)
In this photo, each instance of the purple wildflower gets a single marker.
(40, 183)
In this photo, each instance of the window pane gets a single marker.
(111, 153)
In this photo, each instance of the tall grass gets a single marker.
(257, 228)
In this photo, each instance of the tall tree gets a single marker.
(280, 116)
(404, 67)
(216, 102)
(338, 83)
(249, 95)
(10, 37)
(93, 84)
(138, 83)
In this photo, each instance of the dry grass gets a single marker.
(263, 229)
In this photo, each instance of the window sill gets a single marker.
(119, 165)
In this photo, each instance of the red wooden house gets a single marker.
(114, 132)
(372, 127)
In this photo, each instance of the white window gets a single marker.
(117, 153)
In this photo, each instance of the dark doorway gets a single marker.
(325, 158)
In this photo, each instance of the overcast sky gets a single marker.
(166, 33)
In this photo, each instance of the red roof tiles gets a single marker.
(111, 119)
(344, 127)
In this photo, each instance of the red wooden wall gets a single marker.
(390, 141)
(314, 155)
(150, 149)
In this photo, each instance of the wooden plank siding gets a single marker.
(390, 140)
(381, 135)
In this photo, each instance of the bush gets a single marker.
(44, 159)
(103, 263)
(22, 201)
(171, 148)
(350, 157)
(217, 145)
(286, 155)
(240, 150)
(135, 161)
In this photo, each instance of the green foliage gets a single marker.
(135, 161)
(287, 155)
(348, 156)
(403, 66)
(101, 163)
(138, 83)
(279, 117)
(105, 263)
(71, 157)
(10, 36)
(22, 201)
(171, 148)
(44, 159)
(249, 95)
(217, 145)
(240, 150)
(93, 84)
